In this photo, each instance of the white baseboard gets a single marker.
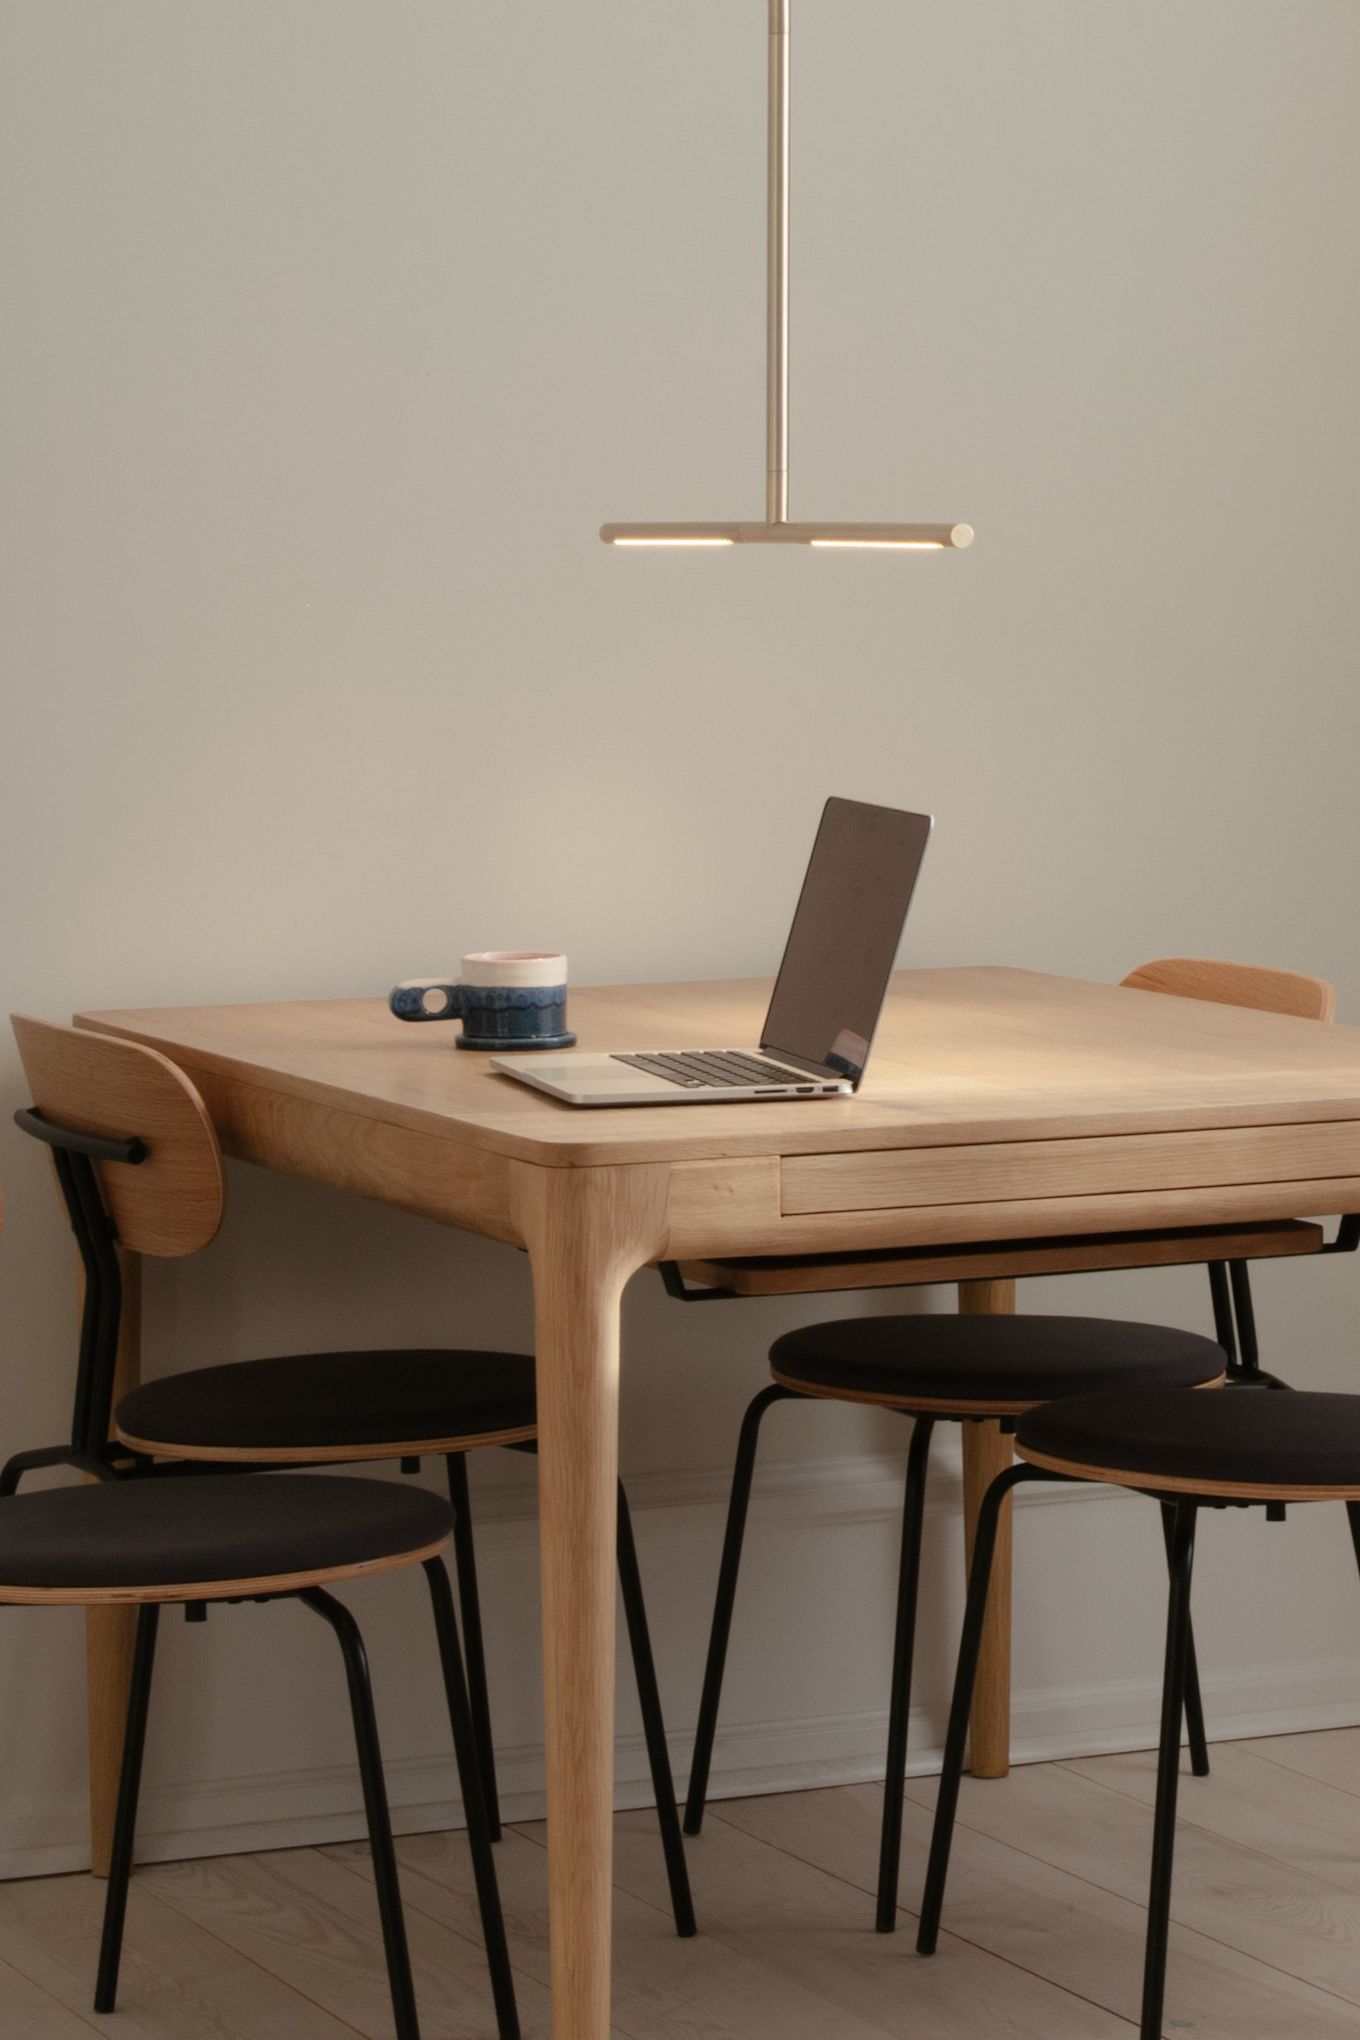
(300, 1808)
(273, 1810)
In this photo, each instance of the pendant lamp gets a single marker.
(777, 528)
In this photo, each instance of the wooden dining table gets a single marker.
(1003, 1111)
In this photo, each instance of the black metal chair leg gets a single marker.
(737, 1506)
(468, 1752)
(375, 1806)
(474, 1653)
(654, 1729)
(1249, 1352)
(125, 1820)
(1248, 1372)
(1223, 1312)
(970, 1645)
(1353, 1519)
(1235, 1325)
(1194, 1707)
(1168, 1768)
(899, 1707)
(13, 1470)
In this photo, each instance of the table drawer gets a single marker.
(900, 1178)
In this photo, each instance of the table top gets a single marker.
(968, 1055)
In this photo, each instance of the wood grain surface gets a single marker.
(170, 1204)
(962, 1056)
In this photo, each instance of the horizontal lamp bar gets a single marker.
(868, 537)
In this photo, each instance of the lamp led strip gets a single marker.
(777, 529)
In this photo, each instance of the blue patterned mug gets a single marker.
(507, 998)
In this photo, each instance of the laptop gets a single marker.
(827, 998)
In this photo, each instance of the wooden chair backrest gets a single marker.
(1237, 984)
(170, 1204)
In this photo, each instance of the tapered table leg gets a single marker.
(986, 1453)
(587, 1231)
(111, 1632)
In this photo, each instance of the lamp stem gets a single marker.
(777, 280)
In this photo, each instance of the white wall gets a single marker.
(332, 331)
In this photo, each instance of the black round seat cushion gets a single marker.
(1271, 1440)
(202, 1529)
(334, 1401)
(1002, 1364)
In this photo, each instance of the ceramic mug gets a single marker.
(506, 998)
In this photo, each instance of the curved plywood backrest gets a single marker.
(1237, 984)
(171, 1203)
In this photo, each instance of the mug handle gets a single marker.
(407, 1000)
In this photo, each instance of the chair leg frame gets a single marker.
(1194, 1706)
(956, 1738)
(899, 1706)
(385, 1878)
(474, 1651)
(1221, 1298)
(14, 1469)
(1176, 1671)
(1235, 1325)
(346, 1631)
(908, 1585)
(653, 1725)
(125, 1819)
(470, 1753)
(1353, 1518)
(715, 1665)
(649, 1701)
(1178, 1654)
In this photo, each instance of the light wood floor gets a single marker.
(1045, 1918)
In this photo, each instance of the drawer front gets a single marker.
(903, 1178)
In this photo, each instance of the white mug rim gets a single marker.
(514, 956)
(514, 969)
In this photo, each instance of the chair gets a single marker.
(1184, 1452)
(972, 1369)
(151, 1544)
(306, 1409)
(1265, 991)
(935, 1369)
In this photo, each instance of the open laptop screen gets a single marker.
(843, 942)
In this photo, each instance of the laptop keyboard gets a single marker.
(716, 1069)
